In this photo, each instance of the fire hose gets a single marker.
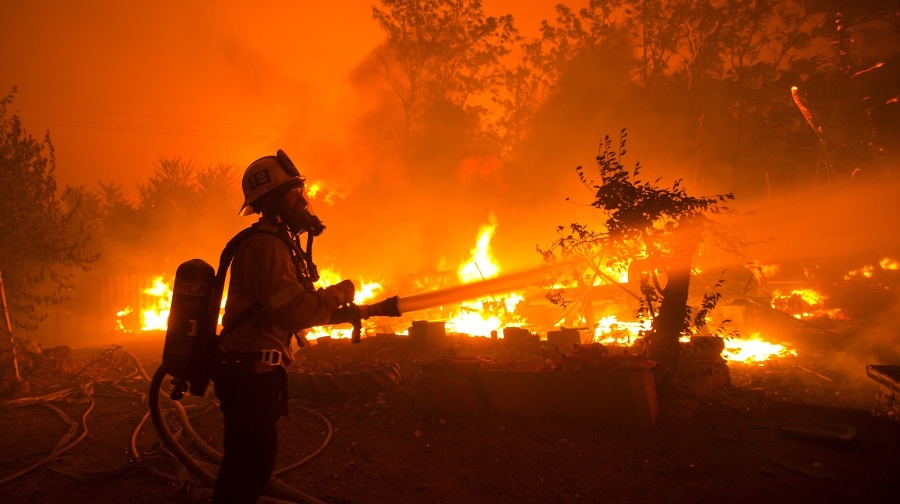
(396, 306)
(276, 486)
(352, 314)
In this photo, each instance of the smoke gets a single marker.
(849, 220)
(876, 342)
(402, 212)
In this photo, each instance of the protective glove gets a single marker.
(343, 291)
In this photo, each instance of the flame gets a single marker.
(316, 190)
(810, 296)
(864, 272)
(365, 291)
(313, 188)
(611, 331)
(124, 312)
(754, 349)
(480, 264)
(329, 332)
(154, 315)
(803, 304)
(491, 313)
(868, 271)
(482, 317)
(609, 273)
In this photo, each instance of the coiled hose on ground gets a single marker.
(320, 386)
(276, 486)
(310, 386)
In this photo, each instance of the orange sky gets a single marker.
(120, 84)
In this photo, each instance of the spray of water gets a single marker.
(501, 284)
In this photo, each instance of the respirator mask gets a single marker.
(296, 211)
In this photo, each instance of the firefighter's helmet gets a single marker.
(264, 176)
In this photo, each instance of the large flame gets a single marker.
(481, 264)
(488, 315)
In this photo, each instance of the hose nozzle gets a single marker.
(355, 314)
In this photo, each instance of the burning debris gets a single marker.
(595, 311)
(490, 315)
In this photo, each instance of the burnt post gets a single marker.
(12, 342)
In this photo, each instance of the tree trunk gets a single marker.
(673, 318)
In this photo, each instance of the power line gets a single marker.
(171, 130)
(75, 123)
(128, 114)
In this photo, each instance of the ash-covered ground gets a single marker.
(798, 429)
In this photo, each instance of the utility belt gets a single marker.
(263, 361)
(225, 365)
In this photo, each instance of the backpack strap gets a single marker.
(302, 262)
(219, 282)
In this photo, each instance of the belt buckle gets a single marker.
(272, 357)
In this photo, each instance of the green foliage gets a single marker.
(662, 225)
(182, 210)
(42, 242)
(709, 81)
(698, 321)
(640, 215)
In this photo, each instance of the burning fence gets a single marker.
(150, 311)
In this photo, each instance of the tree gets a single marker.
(852, 104)
(182, 209)
(41, 245)
(663, 225)
(659, 31)
(440, 54)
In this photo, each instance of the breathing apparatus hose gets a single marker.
(283, 490)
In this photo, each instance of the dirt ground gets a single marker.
(797, 431)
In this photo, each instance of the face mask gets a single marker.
(298, 214)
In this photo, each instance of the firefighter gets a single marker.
(270, 299)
